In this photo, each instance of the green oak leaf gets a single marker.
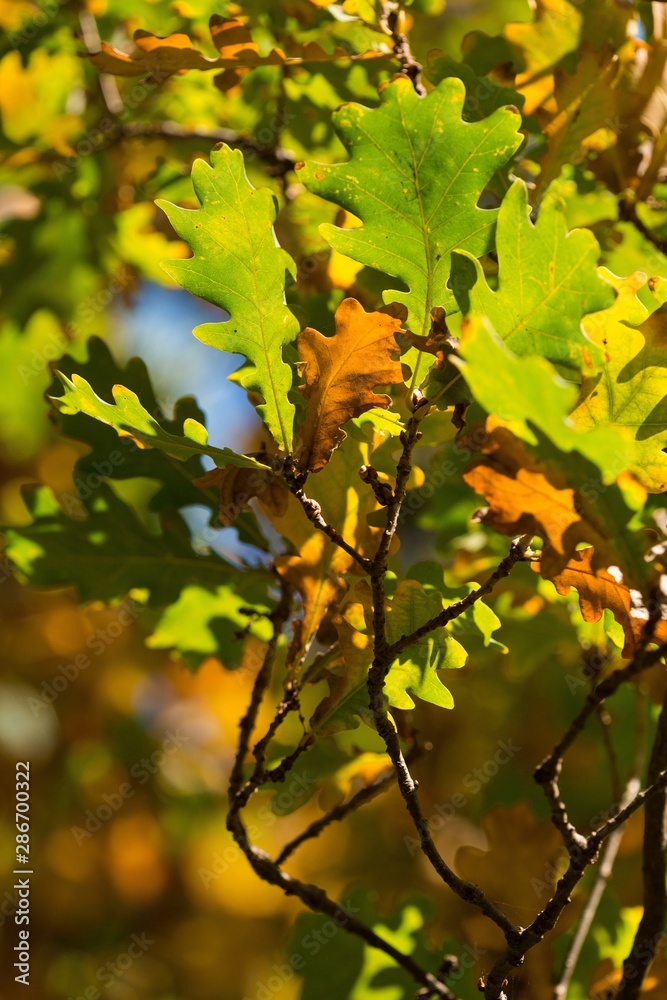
(415, 176)
(529, 396)
(203, 622)
(484, 95)
(346, 967)
(120, 457)
(109, 552)
(115, 457)
(130, 419)
(480, 619)
(630, 391)
(238, 266)
(416, 668)
(547, 283)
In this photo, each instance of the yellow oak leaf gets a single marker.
(630, 391)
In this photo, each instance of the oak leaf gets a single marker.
(415, 177)
(238, 266)
(238, 486)
(130, 419)
(161, 57)
(547, 283)
(629, 392)
(563, 501)
(341, 373)
(599, 589)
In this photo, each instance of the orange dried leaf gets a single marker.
(341, 373)
(237, 490)
(528, 496)
(164, 56)
(599, 589)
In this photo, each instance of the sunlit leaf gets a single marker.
(238, 267)
(414, 178)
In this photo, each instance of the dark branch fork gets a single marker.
(270, 871)
(583, 850)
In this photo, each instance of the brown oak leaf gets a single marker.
(341, 373)
(160, 57)
(561, 498)
(239, 486)
(601, 588)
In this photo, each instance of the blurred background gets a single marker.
(138, 892)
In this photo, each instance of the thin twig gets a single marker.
(340, 812)
(278, 618)
(455, 610)
(313, 896)
(652, 923)
(607, 859)
(313, 512)
(605, 726)
(642, 661)
(384, 654)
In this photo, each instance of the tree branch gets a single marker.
(582, 850)
(313, 512)
(384, 654)
(548, 918)
(551, 765)
(313, 896)
(391, 21)
(449, 614)
(340, 812)
(607, 860)
(317, 900)
(652, 923)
